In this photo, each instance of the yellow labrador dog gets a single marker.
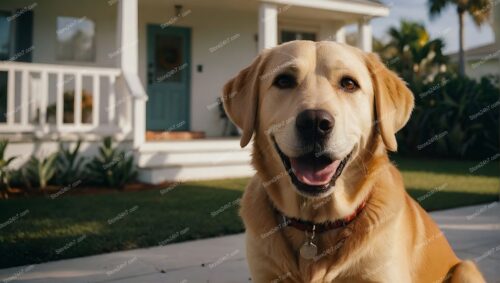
(326, 204)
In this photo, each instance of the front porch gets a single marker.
(153, 68)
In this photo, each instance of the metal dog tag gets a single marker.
(308, 250)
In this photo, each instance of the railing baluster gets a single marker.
(78, 99)
(60, 99)
(44, 92)
(11, 102)
(24, 107)
(96, 84)
(112, 100)
(28, 97)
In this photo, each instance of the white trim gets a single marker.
(60, 99)
(51, 68)
(11, 95)
(128, 36)
(337, 6)
(112, 100)
(24, 97)
(66, 128)
(365, 35)
(96, 99)
(139, 97)
(268, 26)
(78, 100)
(44, 91)
(134, 86)
(340, 35)
(128, 47)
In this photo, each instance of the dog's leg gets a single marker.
(466, 272)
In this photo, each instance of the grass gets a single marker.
(442, 184)
(41, 229)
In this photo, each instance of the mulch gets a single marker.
(53, 191)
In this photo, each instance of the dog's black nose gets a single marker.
(314, 124)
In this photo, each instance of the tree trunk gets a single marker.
(461, 55)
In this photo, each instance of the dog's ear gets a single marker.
(393, 101)
(241, 99)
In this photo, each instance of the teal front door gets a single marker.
(168, 74)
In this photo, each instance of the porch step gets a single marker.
(193, 160)
(194, 173)
(221, 144)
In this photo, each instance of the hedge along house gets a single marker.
(147, 73)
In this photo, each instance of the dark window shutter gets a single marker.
(24, 37)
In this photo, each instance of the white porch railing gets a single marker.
(45, 98)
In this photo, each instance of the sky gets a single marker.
(444, 26)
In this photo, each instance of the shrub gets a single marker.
(111, 167)
(69, 164)
(5, 173)
(454, 117)
(39, 172)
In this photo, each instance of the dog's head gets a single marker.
(314, 109)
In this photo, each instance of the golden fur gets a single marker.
(393, 239)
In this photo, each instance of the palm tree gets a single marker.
(479, 10)
(418, 57)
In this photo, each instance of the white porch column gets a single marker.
(128, 50)
(340, 35)
(128, 36)
(268, 26)
(365, 35)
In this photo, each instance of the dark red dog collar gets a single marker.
(308, 226)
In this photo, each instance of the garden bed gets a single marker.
(54, 191)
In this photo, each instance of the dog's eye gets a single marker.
(349, 84)
(285, 81)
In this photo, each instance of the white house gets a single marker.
(484, 60)
(147, 68)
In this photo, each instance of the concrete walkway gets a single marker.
(474, 233)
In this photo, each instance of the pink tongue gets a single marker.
(308, 174)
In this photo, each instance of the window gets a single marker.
(5, 36)
(75, 39)
(288, 35)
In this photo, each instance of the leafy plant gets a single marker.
(5, 173)
(413, 54)
(454, 117)
(69, 164)
(112, 167)
(38, 172)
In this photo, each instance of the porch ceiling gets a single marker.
(337, 8)
(348, 11)
(306, 13)
(238, 5)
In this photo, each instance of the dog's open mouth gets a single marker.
(312, 173)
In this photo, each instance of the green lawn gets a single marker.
(438, 184)
(39, 229)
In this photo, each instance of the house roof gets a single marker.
(370, 2)
(477, 52)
